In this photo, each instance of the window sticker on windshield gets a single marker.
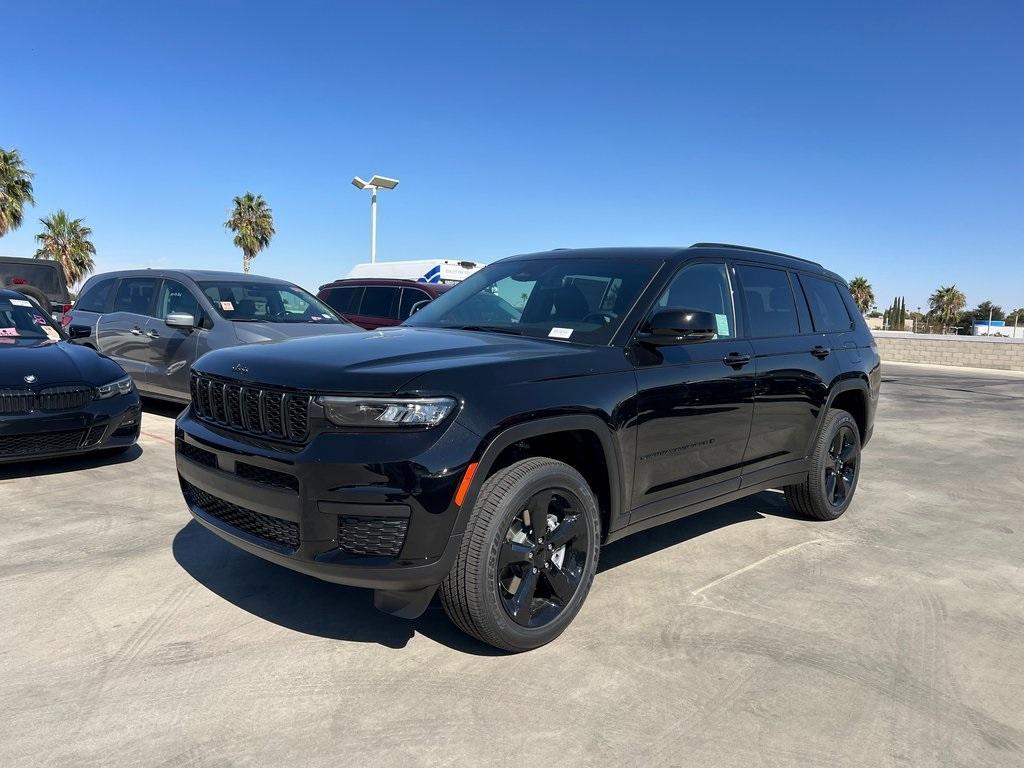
(39, 320)
(560, 333)
(227, 306)
(21, 302)
(722, 321)
(9, 332)
(315, 318)
(51, 334)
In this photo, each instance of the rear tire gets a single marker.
(34, 293)
(834, 471)
(520, 578)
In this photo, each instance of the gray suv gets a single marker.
(156, 323)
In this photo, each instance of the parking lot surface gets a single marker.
(739, 636)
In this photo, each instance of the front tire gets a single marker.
(528, 556)
(834, 471)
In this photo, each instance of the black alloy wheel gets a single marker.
(841, 472)
(543, 558)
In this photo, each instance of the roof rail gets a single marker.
(750, 248)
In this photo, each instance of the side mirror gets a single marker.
(182, 320)
(679, 326)
(418, 306)
(79, 331)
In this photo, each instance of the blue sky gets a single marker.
(883, 139)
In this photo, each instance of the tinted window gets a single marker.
(344, 299)
(703, 287)
(46, 277)
(409, 297)
(96, 296)
(771, 310)
(176, 298)
(22, 321)
(828, 311)
(378, 301)
(571, 299)
(135, 295)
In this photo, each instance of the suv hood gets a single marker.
(388, 360)
(54, 363)
(255, 333)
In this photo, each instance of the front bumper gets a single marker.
(364, 509)
(112, 423)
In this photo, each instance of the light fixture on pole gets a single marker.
(377, 182)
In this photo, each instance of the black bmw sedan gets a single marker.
(57, 398)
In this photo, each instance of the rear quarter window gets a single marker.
(96, 296)
(828, 309)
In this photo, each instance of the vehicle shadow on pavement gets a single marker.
(64, 464)
(314, 607)
(668, 535)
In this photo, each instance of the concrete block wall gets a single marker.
(964, 351)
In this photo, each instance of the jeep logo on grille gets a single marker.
(239, 368)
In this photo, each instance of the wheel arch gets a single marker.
(851, 395)
(555, 435)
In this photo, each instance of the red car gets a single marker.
(373, 303)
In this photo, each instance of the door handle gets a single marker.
(136, 331)
(736, 359)
(153, 334)
(821, 352)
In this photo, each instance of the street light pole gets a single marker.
(377, 182)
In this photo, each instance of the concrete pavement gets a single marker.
(737, 637)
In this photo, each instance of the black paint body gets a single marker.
(663, 430)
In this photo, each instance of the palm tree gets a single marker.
(252, 221)
(15, 190)
(66, 241)
(863, 293)
(946, 303)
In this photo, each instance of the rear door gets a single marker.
(378, 307)
(695, 401)
(121, 334)
(172, 350)
(795, 367)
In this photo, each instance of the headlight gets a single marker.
(119, 387)
(386, 411)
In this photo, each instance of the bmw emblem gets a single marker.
(30, 379)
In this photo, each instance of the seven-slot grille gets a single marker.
(48, 399)
(260, 411)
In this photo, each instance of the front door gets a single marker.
(695, 401)
(795, 366)
(173, 349)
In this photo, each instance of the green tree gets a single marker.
(863, 294)
(15, 190)
(252, 221)
(66, 241)
(946, 304)
(981, 311)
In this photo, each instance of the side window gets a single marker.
(345, 299)
(771, 310)
(705, 287)
(176, 298)
(135, 295)
(411, 296)
(96, 297)
(828, 310)
(378, 301)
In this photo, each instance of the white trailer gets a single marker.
(421, 270)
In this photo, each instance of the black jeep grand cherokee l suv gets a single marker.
(548, 404)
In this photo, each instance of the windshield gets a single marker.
(22, 320)
(570, 299)
(246, 302)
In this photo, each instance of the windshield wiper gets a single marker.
(490, 328)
